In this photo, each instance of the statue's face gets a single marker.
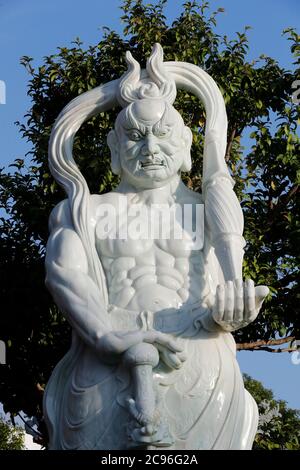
(152, 142)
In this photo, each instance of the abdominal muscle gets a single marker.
(146, 287)
(154, 279)
(152, 297)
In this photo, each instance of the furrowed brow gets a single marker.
(161, 126)
(132, 123)
(139, 127)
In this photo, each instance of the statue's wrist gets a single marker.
(209, 324)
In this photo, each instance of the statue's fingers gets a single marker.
(171, 345)
(249, 299)
(182, 356)
(261, 293)
(165, 355)
(172, 360)
(239, 300)
(229, 301)
(129, 339)
(162, 339)
(218, 311)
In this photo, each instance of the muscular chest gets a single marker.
(152, 259)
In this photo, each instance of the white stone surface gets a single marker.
(152, 362)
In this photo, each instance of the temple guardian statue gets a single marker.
(152, 362)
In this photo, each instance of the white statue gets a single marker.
(152, 362)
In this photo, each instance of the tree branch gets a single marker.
(229, 145)
(259, 345)
(282, 202)
(36, 433)
(291, 193)
(278, 350)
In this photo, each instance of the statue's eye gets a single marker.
(163, 133)
(134, 135)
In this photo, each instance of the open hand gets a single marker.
(237, 304)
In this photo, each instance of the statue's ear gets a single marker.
(187, 137)
(113, 144)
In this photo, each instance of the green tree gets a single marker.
(258, 99)
(11, 437)
(279, 426)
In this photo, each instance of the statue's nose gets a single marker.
(150, 146)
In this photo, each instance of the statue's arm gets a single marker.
(224, 225)
(73, 290)
(236, 303)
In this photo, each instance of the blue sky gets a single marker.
(36, 28)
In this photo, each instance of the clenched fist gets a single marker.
(113, 344)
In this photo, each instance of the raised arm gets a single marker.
(237, 303)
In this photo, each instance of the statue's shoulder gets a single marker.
(191, 196)
(112, 198)
(60, 215)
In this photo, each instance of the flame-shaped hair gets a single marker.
(158, 84)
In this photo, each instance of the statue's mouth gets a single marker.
(154, 164)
